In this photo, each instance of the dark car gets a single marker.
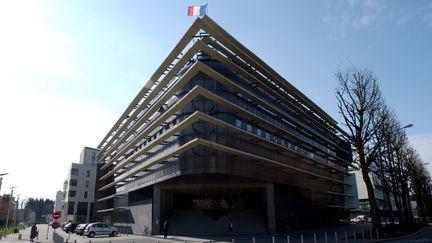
(80, 229)
(70, 227)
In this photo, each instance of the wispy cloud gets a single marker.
(346, 16)
(363, 21)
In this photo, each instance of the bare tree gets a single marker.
(420, 182)
(392, 166)
(382, 165)
(360, 103)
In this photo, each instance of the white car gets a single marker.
(100, 228)
(359, 219)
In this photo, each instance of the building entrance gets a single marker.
(207, 211)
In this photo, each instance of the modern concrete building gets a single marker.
(79, 188)
(58, 204)
(217, 134)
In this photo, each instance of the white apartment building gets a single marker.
(58, 201)
(79, 188)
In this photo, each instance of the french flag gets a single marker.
(197, 10)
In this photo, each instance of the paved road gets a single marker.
(295, 237)
(25, 235)
(422, 236)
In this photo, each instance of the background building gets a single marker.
(79, 188)
(216, 134)
(58, 205)
(8, 204)
(380, 195)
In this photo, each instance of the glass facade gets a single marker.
(214, 115)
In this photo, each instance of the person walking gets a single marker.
(33, 232)
(230, 226)
(165, 228)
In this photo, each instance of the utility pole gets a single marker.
(1, 178)
(16, 211)
(10, 202)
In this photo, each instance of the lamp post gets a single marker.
(10, 200)
(16, 211)
(1, 178)
(407, 126)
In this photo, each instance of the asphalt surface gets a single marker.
(25, 235)
(308, 236)
(424, 235)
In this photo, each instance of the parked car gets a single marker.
(70, 227)
(80, 229)
(100, 228)
(359, 219)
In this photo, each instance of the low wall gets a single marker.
(57, 238)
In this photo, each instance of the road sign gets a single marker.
(55, 225)
(56, 215)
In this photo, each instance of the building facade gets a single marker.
(79, 188)
(216, 134)
(8, 207)
(58, 204)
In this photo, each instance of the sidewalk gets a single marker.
(25, 235)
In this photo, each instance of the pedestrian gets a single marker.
(165, 228)
(230, 226)
(33, 232)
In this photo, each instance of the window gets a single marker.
(86, 183)
(72, 193)
(249, 127)
(85, 194)
(87, 173)
(70, 206)
(268, 136)
(82, 208)
(259, 132)
(93, 156)
(238, 123)
(74, 171)
(73, 182)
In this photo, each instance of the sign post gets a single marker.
(56, 222)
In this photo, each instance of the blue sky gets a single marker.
(68, 69)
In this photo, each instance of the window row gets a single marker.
(72, 193)
(75, 172)
(281, 141)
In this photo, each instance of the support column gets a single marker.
(88, 212)
(156, 204)
(271, 216)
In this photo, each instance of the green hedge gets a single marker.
(6, 231)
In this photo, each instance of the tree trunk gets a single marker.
(374, 210)
(389, 204)
(406, 203)
(397, 199)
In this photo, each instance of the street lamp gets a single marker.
(1, 178)
(16, 211)
(407, 126)
(10, 200)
